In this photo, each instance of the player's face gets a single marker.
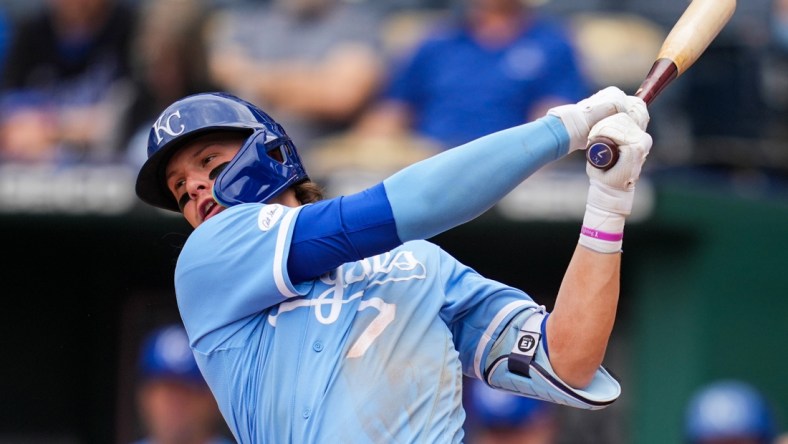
(192, 170)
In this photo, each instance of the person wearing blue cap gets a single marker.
(729, 412)
(498, 417)
(175, 404)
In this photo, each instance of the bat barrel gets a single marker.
(689, 37)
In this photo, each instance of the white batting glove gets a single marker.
(580, 117)
(611, 193)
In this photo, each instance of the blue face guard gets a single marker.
(263, 168)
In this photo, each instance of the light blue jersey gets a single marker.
(372, 352)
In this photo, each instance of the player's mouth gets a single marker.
(209, 208)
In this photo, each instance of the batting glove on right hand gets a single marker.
(611, 193)
(579, 118)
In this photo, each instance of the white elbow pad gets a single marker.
(522, 339)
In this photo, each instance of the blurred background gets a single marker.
(365, 88)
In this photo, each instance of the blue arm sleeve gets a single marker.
(331, 232)
(424, 199)
(455, 186)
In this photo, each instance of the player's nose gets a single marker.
(195, 186)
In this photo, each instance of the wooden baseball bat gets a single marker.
(700, 23)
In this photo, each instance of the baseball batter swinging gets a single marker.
(333, 320)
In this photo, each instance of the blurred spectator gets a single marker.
(66, 68)
(776, 79)
(5, 36)
(500, 56)
(175, 404)
(729, 412)
(779, 24)
(169, 62)
(313, 64)
(497, 417)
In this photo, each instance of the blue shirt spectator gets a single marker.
(503, 58)
(5, 37)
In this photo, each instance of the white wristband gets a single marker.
(606, 211)
(602, 230)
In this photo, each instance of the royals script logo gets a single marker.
(164, 124)
(374, 272)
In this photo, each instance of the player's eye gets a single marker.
(207, 159)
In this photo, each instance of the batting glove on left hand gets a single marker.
(579, 118)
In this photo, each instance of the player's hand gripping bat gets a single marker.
(691, 35)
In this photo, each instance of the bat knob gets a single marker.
(602, 153)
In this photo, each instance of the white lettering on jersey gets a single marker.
(165, 125)
(377, 270)
(385, 268)
(268, 216)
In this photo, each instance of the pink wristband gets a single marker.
(601, 235)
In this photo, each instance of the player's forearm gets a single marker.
(460, 184)
(581, 323)
(582, 320)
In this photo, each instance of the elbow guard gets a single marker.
(518, 364)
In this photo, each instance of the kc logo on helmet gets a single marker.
(165, 125)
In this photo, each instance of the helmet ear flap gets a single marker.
(262, 169)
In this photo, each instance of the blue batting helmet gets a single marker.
(266, 164)
(729, 409)
(166, 354)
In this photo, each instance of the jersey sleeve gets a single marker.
(234, 266)
(519, 362)
(481, 314)
(476, 310)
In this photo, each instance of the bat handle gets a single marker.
(602, 152)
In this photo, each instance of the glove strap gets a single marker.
(526, 344)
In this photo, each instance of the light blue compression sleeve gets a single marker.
(466, 181)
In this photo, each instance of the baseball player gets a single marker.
(334, 320)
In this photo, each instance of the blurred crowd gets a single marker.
(175, 406)
(367, 86)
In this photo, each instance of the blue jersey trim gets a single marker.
(544, 335)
